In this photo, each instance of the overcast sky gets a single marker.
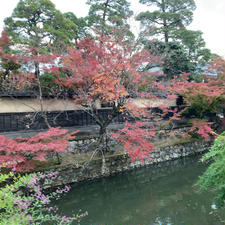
(209, 17)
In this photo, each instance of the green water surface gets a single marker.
(158, 195)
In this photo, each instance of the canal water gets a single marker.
(158, 195)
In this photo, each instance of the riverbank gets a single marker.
(80, 164)
(77, 168)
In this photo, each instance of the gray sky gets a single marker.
(209, 17)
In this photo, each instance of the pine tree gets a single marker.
(39, 24)
(110, 16)
(168, 16)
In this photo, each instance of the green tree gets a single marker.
(110, 16)
(194, 44)
(185, 54)
(39, 24)
(176, 60)
(182, 50)
(167, 16)
(82, 25)
(164, 23)
(214, 176)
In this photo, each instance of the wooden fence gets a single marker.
(34, 121)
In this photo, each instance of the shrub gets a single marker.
(23, 202)
(214, 176)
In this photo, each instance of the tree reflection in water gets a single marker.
(158, 195)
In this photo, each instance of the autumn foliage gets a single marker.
(204, 97)
(218, 66)
(137, 139)
(4, 45)
(106, 70)
(22, 153)
(102, 70)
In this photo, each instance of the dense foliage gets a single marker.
(98, 61)
(205, 99)
(110, 16)
(22, 200)
(214, 177)
(22, 153)
(164, 31)
(168, 16)
(38, 23)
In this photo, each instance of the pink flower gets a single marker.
(63, 218)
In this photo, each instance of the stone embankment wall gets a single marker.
(117, 163)
(86, 143)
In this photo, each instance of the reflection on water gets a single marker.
(159, 195)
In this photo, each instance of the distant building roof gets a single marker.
(208, 71)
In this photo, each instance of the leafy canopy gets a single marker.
(39, 23)
(214, 176)
(168, 16)
(110, 16)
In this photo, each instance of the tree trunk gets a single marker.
(166, 37)
(103, 138)
(104, 15)
(37, 70)
(166, 33)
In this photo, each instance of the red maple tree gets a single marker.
(100, 70)
(21, 153)
(209, 96)
(106, 70)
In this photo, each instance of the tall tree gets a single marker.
(106, 71)
(82, 25)
(183, 50)
(175, 58)
(185, 53)
(194, 44)
(168, 16)
(109, 16)
(39, 24)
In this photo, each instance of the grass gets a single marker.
(76, 159)
(81, 158)
(175, 141)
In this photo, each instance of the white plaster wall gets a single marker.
(32, 105)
